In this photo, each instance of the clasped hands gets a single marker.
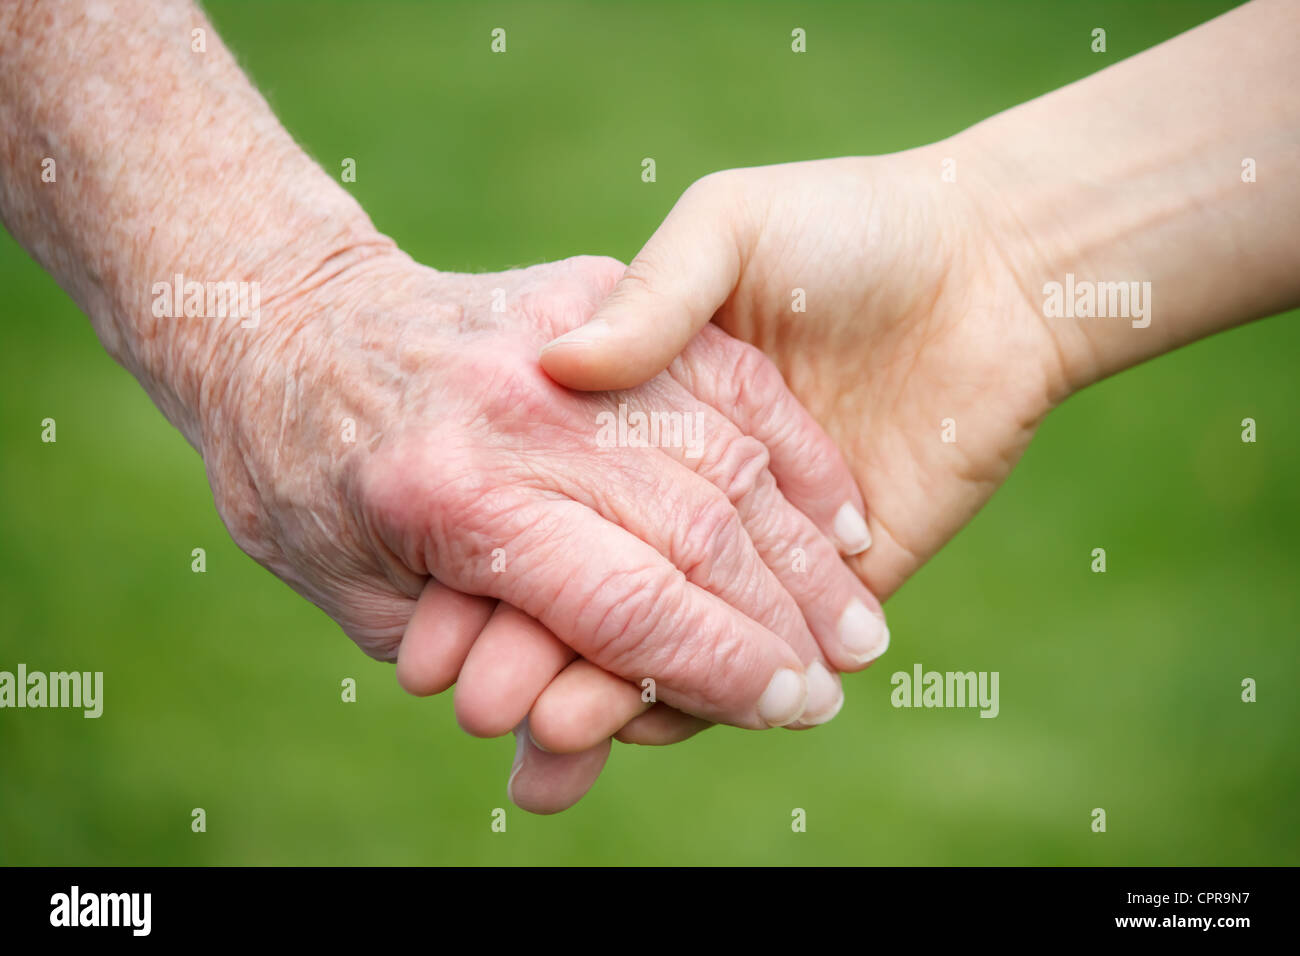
(860, 348)
(478, 531)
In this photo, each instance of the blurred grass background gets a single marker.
(1119, 691)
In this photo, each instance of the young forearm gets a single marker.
(165, 161)
(1135, 174)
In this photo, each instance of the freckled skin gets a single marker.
(464, 446)
(920, 310)
(457, 444)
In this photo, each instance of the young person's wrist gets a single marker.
(1132, 181)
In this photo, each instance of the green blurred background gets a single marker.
(1118, 690)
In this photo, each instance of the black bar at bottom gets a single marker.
(622, 907)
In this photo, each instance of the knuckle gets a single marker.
(816, 456)
(737, 466)
(761, 389)
(474, 716)
(398, 483)
(597, 273)
(755, 388)
(558, 726)
(557, 305)
(711, 188)
(434, 506)
(758, 380)
(705, 541)
(643, 276)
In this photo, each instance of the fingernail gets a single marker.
(851, 530)
(596, 330)
(865, 635)
(825, 696)
(522, 735)
(783, 701)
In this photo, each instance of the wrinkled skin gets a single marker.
(918, 310)
(471, 466)
(917, 313)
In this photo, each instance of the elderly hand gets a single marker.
(393, 425)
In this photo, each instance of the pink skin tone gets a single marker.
(924, 305)
(473, 469)
(926, 297)
(383, 426)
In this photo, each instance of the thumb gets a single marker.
(685, 273)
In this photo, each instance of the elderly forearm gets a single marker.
(133, 151)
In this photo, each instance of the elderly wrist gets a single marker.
(257, 351)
